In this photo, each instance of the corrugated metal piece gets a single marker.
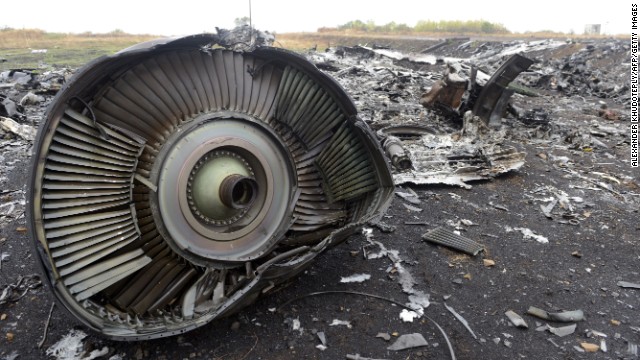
(442, 236)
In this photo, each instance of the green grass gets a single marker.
(63, 50)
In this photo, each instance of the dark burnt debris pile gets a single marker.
(459, 117)
(541, 122)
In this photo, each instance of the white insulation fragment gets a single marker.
(355, 278)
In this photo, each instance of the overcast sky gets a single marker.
(190, 16)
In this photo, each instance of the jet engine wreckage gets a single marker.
(177, 181)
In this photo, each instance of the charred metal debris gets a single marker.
(134, 259)
(473, 102)
(451, 120)
(177, 181)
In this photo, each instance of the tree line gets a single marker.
(423, 26)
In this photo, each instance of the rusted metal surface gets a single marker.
(179, 180)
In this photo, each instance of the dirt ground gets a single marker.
(572, 259)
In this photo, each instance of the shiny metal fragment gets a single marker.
(462, 320)
(559, 331)
(565, 316)
(177, 181)
(408, 341)
(516, 319)
(628, 285)
(442, 236)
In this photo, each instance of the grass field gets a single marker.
(73, 50)
(20, 48)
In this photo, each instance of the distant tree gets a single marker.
(117, 32)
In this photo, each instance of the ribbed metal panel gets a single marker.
(86, 200)
(345, 166)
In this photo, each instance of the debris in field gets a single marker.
(358, 278)
(559, 331)
(46, 327)
(565, 316)
(412, 208)
(516, 319)
(440, 160)
(632, 349)
(10, 336)
(322, 337)
(461, 319)
(546, 210)
(494, 97)
(389, 101)
(488, 262)
(12, 356)
(8, 108)
(16, 291)
(337, 322)
(358, 357)
(409, 196)
(244, 38)
(595, 333)
(628, 285)
(408, 316)
(408, 341)
(26, 132)
(384, 336)
(418, 299)
(446, 93)
(295, 324)
(321, 347)
(442, 236)
(528, 234)
(588, 347)
(31, 99)
(70, 347)
(394, 150)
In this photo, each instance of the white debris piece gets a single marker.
(70, 347)
(516, 319)
(418, 300)
(337, 322)
(26, 132)
(295, 324)
(355, 278)
(528, 234)
(97, 353)
(559, 331)
(408, 316)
